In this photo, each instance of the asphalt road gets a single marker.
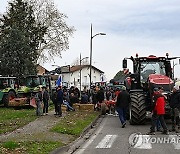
(110, 138)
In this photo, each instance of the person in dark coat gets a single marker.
(122, 104)
(158, 112)
(94, 96)
(100, 95)
(84, 98)
(175, 105)
(73, 99)
(59, 100)
(45, 100)
(77, 92)
(54, 100)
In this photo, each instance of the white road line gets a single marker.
(106, 142)
(80, 151)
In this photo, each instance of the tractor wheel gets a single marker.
(137, 109)
(103, 108)
(7, 97)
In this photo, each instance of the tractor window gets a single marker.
(148, 68)
(42, 81)
(32, 82)
(3, 83)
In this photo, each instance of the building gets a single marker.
(41, 70)
(72, 78)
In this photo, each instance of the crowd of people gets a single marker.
(121, 97)
(159, 110)
(68, 97)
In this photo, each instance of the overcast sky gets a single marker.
(145, 27)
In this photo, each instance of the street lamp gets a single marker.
(80, 72)
(92, 36)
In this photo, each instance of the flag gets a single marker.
(58, 82)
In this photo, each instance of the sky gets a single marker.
(146, 27)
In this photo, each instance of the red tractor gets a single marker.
(148, 73)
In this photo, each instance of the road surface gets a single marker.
(110, 138)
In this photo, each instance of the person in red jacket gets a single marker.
(159, 111)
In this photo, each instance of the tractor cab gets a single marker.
(30, 84)
(7, 82)
(7, 89)
(143, 67)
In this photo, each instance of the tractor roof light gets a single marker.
(136, 55)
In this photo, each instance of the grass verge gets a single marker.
(75, 122)
(72, 124)
(11, 147)
(12, 119)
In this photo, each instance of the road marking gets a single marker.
(80, 151)
(106, 142)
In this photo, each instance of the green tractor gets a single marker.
(29, 85)
(7, 90)
(18, 91)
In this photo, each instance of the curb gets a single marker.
(86, 133)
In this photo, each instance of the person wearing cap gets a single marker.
(122, 104)
(175, 105)
(158, 112)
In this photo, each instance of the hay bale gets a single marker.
(63, 108)
(76, 106)
(89, 107)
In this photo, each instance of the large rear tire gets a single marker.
(137, 109)
(7, 97)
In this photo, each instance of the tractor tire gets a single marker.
(7, 97)
(103, 108)
(137, 109)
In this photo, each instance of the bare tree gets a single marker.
(58, 32)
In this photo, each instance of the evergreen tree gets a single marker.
(119, 76)
(20, 37)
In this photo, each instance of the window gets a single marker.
(148, 68)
